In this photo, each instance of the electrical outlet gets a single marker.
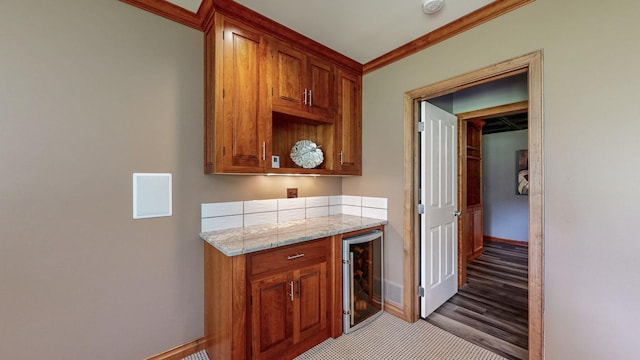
(292, 193)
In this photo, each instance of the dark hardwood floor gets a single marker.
(491, 309)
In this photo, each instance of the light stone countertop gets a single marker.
(237, 241)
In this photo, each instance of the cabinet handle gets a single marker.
(264, 150)
(352, 290)
(291, 257)
(305, 97)
(341, 162)
(291, 290)
(310, 98)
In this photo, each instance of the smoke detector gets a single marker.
(432, 6)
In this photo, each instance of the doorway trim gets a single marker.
(532, 65)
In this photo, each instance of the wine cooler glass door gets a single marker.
(362, 279)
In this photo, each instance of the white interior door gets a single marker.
(438, 195)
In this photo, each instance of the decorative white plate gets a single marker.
(307, 154)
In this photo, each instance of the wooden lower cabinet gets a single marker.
(289, 312)
(474, 232)
(310, 308)
(271, 304)
(271, 316)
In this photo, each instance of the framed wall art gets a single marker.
(522, 172)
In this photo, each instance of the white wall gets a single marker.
(591, 127)
(506, 215)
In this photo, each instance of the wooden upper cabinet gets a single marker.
(320, 82)
(349, 123)
(302, 85)
(287, 82)
(263, 95)
(236, 126)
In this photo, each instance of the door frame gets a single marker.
(532, 65)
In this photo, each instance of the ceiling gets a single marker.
(506, 123)
(362, 30)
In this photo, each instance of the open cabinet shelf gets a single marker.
(286, 131)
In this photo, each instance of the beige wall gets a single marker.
(591, 127)
(90, 92)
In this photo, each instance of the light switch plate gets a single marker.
(275, 161)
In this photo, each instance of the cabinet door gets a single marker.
(478, 231)
(289, 77)
(272, 301)
(467, 223)
(243, 127)
(349, 124)
(473, 232)
(310, 309)
(302, 85)
(320, 88)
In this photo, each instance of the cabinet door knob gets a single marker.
(457, 213)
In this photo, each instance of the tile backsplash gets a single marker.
(227, 215)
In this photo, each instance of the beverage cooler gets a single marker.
(362, 283)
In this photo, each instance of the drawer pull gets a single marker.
(291, 257)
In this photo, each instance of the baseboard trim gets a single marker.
(395, 311)
(190, 348)
(506, 241)
(181, 351)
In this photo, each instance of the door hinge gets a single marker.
(420, 126)
(420, 209)
(223, 93)
(223, 150)
(346, 261)
(420, 291)
(346, 312)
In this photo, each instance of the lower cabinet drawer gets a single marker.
(278, 259)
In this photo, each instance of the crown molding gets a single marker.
(203, 20)
(174, 12)
(471, 20)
